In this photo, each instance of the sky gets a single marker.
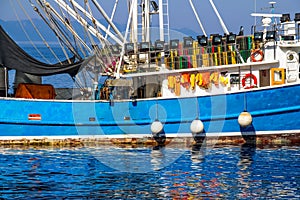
(235, 13)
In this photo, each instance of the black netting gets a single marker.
(14, 57)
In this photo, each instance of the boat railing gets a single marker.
(182, 56)
(287, 30)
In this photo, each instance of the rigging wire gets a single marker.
(62, 39)
(77, 45)
(87, 32)
(112, 17)
(102, 40)
(88, 28)
(87, 5)
(84, 23)
(67, 24)
(101, 10)
(90, 37)
(71, 29)
(38, 32)
(26, 34)
(63, 48)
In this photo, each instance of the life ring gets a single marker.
(252, 76)
(257, 55)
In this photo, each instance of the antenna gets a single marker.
(272, 3)
(272, 9)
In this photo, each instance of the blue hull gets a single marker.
(272, 109)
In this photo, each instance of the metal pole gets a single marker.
(197, 17)
(107, 18)
(218, 15)
(85, 24)
(161, 21)
(69, 27)
(112, 16)
(5, 80)
(126, 34)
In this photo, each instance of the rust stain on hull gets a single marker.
(276, 139)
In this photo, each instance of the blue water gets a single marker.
(112, 172)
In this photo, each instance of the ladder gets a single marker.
(166, 25)
(143, 19)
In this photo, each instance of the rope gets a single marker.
(51, 9)
(63, 32)
(77, 45)
(83, 22)
(37, 31)
(111, 17)
(60, 39)
(25, 32)
(96, 50)
(60, 28)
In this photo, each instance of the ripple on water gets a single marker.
(240, 172)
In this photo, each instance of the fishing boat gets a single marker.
(152, 83)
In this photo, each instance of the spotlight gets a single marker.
(187, 42)
(216, 39)
(129, 48)
(159, 45)
(258, 36)
(202, 40)
(144, 45)
(297, 17)
(230, 38)
(270, 35)
(285, 18)
(174, 44)
(154, 6)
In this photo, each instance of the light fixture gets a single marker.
(174, 44)
(144, 45)
(297, 17)
(202, 40)
(187, 42)
(270, 35)
(115, 49)
(129, 48)
(154, 6)
(285, 18)
(287, 37)
(241, 31)
(258, 36)
(216, 39)
(159, 45)
(230, 38)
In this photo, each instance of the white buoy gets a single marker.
(245, 119)
(156, 127)
(197, 126)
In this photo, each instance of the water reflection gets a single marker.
(245, 169)
(136, 160)
(196, 172)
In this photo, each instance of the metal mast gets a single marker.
(145, 9)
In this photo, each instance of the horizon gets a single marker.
(181, 14)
